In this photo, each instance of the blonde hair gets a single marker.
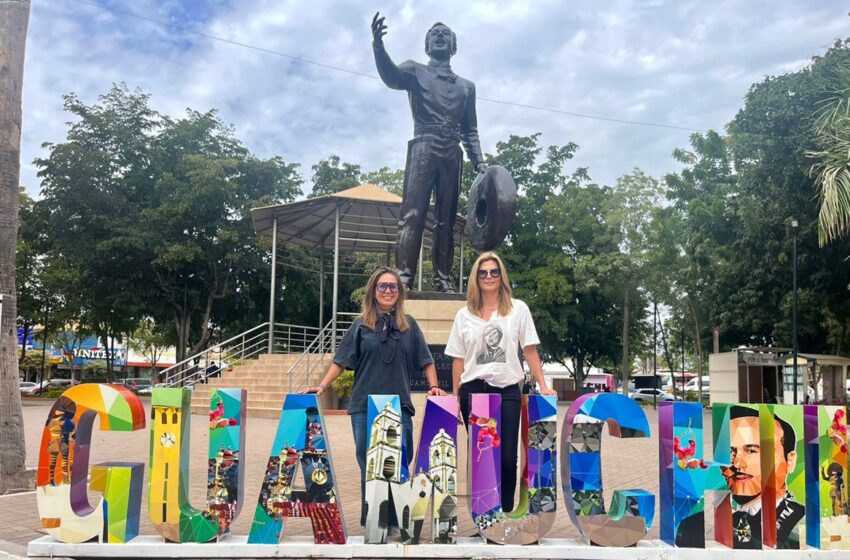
(473, 293)
(370, 311)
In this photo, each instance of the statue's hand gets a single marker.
(481, 167)
(379, 29)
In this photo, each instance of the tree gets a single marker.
(28, 269)
(149, 216)
(14, 19)
(392, 181)
(70, 342)
(151, 342)
(330, 176)
(559, 252)
(629, 213)
(831, 169)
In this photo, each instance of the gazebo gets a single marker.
(360, 219)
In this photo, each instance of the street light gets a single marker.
(184, 335)
(795, 226)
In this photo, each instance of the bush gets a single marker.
(344, 384)
(50, 393)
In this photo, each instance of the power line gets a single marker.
(367, 75)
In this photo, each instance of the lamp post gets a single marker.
(654, 356)
(795, 226)
(184, 335)
(44, 346)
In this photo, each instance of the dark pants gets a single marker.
(433, 164)
(508, 430)
(361, 444)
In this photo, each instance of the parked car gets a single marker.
(646, 395)
(693, 384)
(24, 385)
(52, 384)
(139, 385)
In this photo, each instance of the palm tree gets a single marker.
(14, 18)
(832, 169)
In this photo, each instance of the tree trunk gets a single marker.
(715, 339)
(14, 18)
(25, 331)
(579, 373)
(697, 349)
(624, 365)
(667, 357)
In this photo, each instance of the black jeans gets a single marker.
(508, 431)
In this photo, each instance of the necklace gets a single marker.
(381, 350)
(381, 346)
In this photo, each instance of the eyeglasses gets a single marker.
(493, 273)
(391, 286)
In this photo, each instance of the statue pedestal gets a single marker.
(435, 313)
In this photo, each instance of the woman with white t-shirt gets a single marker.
(485, 342)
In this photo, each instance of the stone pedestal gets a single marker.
(435, 313)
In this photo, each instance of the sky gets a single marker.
(302, 84)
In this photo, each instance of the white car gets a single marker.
(24, 385)
(646, 395)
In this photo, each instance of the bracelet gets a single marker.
(433, 387)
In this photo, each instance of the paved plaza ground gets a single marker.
(627, 464)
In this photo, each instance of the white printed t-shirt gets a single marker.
(490, 349)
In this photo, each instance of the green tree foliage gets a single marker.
(150, 340)
(331, 176)
(735, 197)
(387, 179)
(139, 203)
(559, 253)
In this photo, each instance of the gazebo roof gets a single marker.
(368, 220)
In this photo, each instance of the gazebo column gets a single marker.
(271, 296)
(322, 286)
(336, 277)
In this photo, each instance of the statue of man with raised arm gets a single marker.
(443, 107)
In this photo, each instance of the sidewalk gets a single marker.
(627, 464)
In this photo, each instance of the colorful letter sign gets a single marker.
(436, 477)
(581, 470)
(534, 516)
(826, 477)
(300, 439)
(170, 511)
(684, 475)
(63, 467)
(779, 472)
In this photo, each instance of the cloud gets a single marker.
(686, 64)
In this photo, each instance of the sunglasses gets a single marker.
(391, 286)
(493, 273)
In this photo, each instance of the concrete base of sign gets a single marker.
(468, 547)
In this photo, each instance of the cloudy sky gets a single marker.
(685, 64)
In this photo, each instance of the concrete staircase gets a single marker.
(266, 381)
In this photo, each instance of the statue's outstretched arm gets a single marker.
(387, 69)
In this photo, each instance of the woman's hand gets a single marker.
(548, 391)
(436, 392)
(317, 389)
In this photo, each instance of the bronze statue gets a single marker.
(443, 107)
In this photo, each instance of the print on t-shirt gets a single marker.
(492, 345)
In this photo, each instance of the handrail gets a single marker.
(319, 345)
(246, 345)
(323, 344)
